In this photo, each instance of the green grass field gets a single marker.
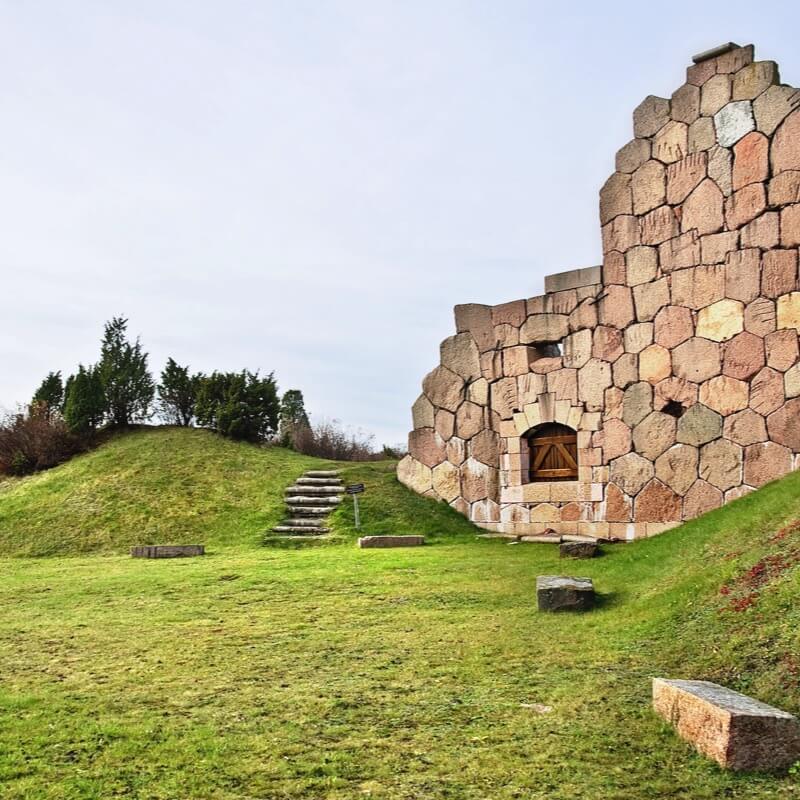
(329, 672)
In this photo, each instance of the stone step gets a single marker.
(322, 473)
(303, 500)
(309, 511)
(300, 529)
(315, 490)
(301, 522)
(319, 482)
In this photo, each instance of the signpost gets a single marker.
(355, 490)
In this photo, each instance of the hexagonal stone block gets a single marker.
(789, 311)
(733, 121)
(766, 391)
(446, 481)
(750, 81)
(657, 503)
(422, 412)
(469, 419)
(444, 388)
(625, 370)
(700, 499)
(702, 135)
(721, 321)
(426, 446)
(765, 462)
(699, 425)
(593, 379)
(607, 343)
(779, 272)
(630, 157)
(791, 381)
(720, 168)
(745, 205)
(485, 447)
(654, 434)
(658, 225)
(638, 336)
(697, 360)
(725, 395)
(544, 328)
(615, 197)
(745, 428)
(650, 116)
(648, 187)
(460, 354)
(673, 325)
(773, 106)
(675, 390)
(641, 265)
(716, 93)
(671, 143)
(685, 175)
(615, 306)
(685, 106)
(618, 504)
(785, 151)
(750, 160)
(631, 472)
(783, 351)
(790, 226)
(681, 252)
(649, 298)
(721, 464)
(445, 423)
(743, 274)
(558, 593)
(414, 474)
(655, 363)
(703, 209)
(577, 349)
(677, 467)
(478, 481)
(637, 403)
(698, 287)
(784, 425)
(744, 356)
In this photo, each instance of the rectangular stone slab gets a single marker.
(560, 593)
(738, 732)
(573, 279)
(391, 541)
(167, 550)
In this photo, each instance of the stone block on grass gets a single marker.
(391, 541)
(577, 550)
(167, 550)
(559, 593)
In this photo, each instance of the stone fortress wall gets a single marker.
(676, 362)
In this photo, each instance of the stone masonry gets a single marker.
(676, 362)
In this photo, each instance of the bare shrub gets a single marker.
(328, 439)
(35, 439)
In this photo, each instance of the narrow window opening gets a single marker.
(674, 409)
(553, 453)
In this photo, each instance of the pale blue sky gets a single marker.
(309, 187)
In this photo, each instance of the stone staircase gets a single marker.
(309, 501)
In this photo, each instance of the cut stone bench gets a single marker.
(559, 593)
(738, 732)
(577, 550)
(167, 550)
(391, 541)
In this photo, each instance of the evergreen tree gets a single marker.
(292, 416)
(127, 383)
(85, 401)
(50, 394)
(177, 393)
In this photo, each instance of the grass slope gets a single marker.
(338, 673)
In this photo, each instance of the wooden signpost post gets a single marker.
(356, 490)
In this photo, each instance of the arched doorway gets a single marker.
(553, 453)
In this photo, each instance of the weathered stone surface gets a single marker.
(577, 550)
(577, 348)
(422, 412)
(572, 279)
(714, 248)
(631, 472)
(654, 435)
(485, 447)
(426, 446)
(735, 58)
(760, 317)
(700, 499)
(459, 354)
(772, 107)
(607, 343)
(745, 205)
(414, 474)
(725, 395)
(789, 311)
(637, 403)
(744, 356)
(677, 467)
(671, 143)
(615, 306)
(641, 265)
(446, 481)
(681, 252)
(445, 422)
(615, 197)
(618, 504)
(444, 388)
(593, 379)
(750, 160)
(638, 336)
(506, 336)
(615, 439)
(613, 398)
(765, 462)
(766, 391)
(716, 93)
(476, 319)
(556, 593)
(703, 209)
(563, 383)
(734, 730)
(456, 450)
(482, 511)
(790, 226)
(655, 364)
(649, 298)
(791, 381)
(650, 116)
(167, 550)
(390, 541)
(478, 481)
(752, 80)
(721, 321)
(613, 268)
(658, 226)
(630, 157)
(478, 392)
(685, 105)
(657, 503)
(584, 316)
(742, 275)
(782, 350)
(733, 121)
(517, 360)
(673, 325)
(702, 135)
(785, 151)
(683, 176)
(621, 234)
(648, 188)
(720, 168)
(745, 428)
(544, 328)
(697, 360)
(625, 370)
(763, 232)
(675, 390)
(699, 425)
(513, 313)
(721, 464)
(784, 188)
(783, 425)
(469, 420)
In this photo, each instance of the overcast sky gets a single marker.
(309, 187)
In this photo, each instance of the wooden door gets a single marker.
(553, 454)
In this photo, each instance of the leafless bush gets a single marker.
(329, 440)
(34, 439)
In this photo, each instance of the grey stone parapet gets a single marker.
(714, 52)
(735, 730)
(573, 279)
(167, 550)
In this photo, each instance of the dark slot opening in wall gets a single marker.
(674, 409)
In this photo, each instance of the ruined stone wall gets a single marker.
(677, 362)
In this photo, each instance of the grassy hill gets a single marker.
(339, 673)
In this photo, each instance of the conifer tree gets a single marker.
(177, 394)
(85, 401)
(293, 416)
(50, 394)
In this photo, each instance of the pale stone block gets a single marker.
(721, 321)
(536, 492)
(734, 121)
(789, 311)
